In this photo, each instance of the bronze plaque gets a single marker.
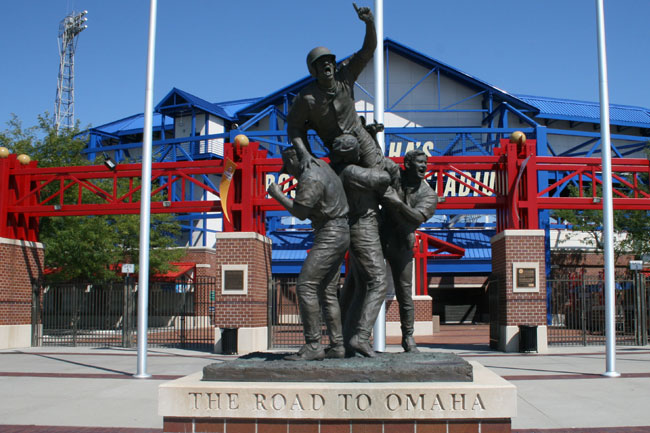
(526, 278)
(233, 281)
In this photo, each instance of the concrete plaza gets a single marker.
(83, 390)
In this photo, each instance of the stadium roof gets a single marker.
(581, 111)
(176, 100)
(179, 101)
(232, 107)
(131, 125)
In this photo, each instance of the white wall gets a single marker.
(215, 125)
(402, 76)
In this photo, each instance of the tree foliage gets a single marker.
(44, 144)
(633, 226)
(87, 247)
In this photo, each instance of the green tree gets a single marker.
(44, 144)
(636, 224)
(633, 226)
(79, 248)
(87, 247)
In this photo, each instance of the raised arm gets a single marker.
(416, 215)
(370, 40)
(361, 58)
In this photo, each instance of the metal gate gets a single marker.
(577, 311)
(495, 314)
(104, 314)
(285, 325)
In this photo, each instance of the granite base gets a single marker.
(485, 404)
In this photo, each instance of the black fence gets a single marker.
(493, 306)
(577, 311)
(285, 324)
(105, 314)
(182, 315)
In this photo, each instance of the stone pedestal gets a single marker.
(518, 289)
(486, 403)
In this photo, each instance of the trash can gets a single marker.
(229, 341)
(527, 338)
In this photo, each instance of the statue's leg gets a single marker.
(309, 280)
(370, 154)
(372, 273)
(352, 296)
(402, 268)
(337, 245)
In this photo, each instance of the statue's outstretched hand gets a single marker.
(390, 197)
(365, 14)
(274, 190)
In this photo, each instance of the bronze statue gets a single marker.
(321, 198)
(327, 104)
(404, 209)
(365, 284)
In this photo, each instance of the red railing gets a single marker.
(506, 181)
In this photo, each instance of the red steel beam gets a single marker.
(518, 202)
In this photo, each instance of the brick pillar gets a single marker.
(205, 259)
(518, 269)
(21, 262)
(242, 303)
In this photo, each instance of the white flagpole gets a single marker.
(379, 330)
(145, 202)
(608, 207)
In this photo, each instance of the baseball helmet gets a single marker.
(316, 54)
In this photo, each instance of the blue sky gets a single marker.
(224, 50)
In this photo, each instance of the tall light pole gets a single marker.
(379, 329)
(608, 207)
(69, 29)
(145, 202)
